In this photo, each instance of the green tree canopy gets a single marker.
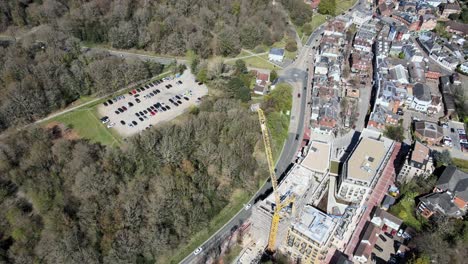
(327, 7)
(396, 133)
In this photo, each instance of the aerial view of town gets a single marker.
(234, 131)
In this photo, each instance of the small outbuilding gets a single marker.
(276, 55)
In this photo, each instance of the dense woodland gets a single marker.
(67, 201)
(164, 26)
(73, 201)
(37, 77)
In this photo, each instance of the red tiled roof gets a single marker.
(262, 76)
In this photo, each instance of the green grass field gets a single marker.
(85, 122)
(237, 202)
(85, 119)
(343, 5)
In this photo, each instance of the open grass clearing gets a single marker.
(86, 124)
(343, 5)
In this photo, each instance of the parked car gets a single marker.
(378, 248)
(134, 123)
(400, 232)
(124, 108)
(141, 119)
(247, 206)
(464, 147)
(197, 251)
(130, 104)
(452, 130)
(138, 100)
(122, 122)
(106, 104)
(461, 131)
(117, 112)
(462, 137)
(110, 102)
(389, 235)
(120, 110)
(105, 119)
(382, 237)
(110, 125)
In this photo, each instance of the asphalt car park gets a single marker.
(151, 104)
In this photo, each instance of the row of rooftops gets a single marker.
(326, 83)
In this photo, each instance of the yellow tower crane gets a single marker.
(274, 182)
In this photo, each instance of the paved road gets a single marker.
(297, 76)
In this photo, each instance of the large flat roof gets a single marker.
(315, 224)
(366, 159)
(297, 181)
(318, 158)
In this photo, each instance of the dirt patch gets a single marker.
(59, 130)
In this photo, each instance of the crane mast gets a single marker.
(274, 182)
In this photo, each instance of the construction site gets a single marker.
(304, 217)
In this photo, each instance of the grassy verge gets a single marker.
(260, 61)
(461, 164)
(238, 200)
(279, 103)
(316, 20)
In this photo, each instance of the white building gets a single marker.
(276, 55)
(361, 18)
(363, 167)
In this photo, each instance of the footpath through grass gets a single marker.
(239, 198)
(85, 122)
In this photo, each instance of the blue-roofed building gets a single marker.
(276, 55)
